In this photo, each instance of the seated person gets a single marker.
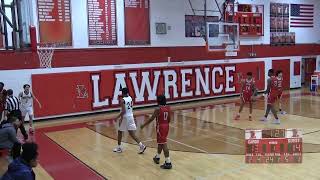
(21, 168)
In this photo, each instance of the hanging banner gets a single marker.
(102, 23)
(55, 21)
(137, 22)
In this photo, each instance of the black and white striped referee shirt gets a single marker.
(12, 103)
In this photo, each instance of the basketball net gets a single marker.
(45, 53)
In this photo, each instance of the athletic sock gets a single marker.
(140, 144)
(168, 160)
(238, 114)
(158, 156)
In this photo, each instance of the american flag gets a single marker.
(301, 16)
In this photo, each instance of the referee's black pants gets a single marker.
(18, 114)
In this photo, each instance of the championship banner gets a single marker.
(137, 22)
(55, 21)
(82, 92)
(102, 22)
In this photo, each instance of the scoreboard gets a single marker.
(273, 146)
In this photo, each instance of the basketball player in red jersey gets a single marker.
(162, 116)
(280, 90)
(3, 97)
(248, 90)
(272, 91)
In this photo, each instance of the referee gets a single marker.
(12, 109)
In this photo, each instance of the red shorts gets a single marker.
(246, 98)
(162, 133)
(272, 99)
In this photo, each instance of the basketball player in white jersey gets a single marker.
(26, 105)
(126, 122)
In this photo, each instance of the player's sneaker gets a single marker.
(264, 119)
(283, 112)
(250, 118)
(142, 149)
(156, 160)
(276, 121)
(237, 117)
(166, 166)
(118, 149)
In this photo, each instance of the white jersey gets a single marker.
(128, 106)
(26, 99)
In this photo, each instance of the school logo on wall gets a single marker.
(90, 91)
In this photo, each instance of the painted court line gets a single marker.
(214, 138)
(148, 140)
(312, 132)
(189, 146)
(231, 137)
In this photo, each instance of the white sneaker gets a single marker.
(264, 119)
(276, 121)
(142, 149)
(283, 112)
(117, 149)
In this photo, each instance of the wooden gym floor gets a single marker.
(205, 142)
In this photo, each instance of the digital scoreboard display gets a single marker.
(273, 146)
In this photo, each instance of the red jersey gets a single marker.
(279, 85)
(273, 86)
(164, 115)
(163, 124)
(248, 87)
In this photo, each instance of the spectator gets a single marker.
(21, 168)
(8, 135)
(12, 109)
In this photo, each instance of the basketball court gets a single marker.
(77, 55)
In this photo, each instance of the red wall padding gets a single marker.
(284, 66)
(59, 95)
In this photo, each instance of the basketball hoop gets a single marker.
(45, 53)
(223, 37)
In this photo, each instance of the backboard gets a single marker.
(223, 36)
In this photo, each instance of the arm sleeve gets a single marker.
(13, 135)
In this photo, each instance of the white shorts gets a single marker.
(26, 110)
(127, 124)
